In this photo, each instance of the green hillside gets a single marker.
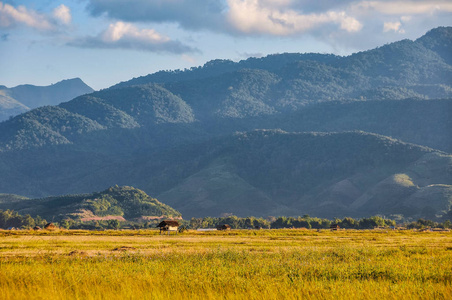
(263, 172)
(127, 202)
(11, 198)
(274, 173)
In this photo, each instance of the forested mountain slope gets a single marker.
(225, 92)
(173, 134)
(324, 174)
(264, 172)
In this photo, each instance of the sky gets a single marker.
(104, 42)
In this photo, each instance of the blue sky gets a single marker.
(107, 41)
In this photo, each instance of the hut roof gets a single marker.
(50, 226)
(224, 226)
(168, 223)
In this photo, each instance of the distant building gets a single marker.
(36, 228)
(50, 226)
(334, 227)
(224, 227)
(168, 226)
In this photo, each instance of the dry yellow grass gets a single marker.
(266, 264)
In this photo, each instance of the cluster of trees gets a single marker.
(109, 224)
(317, 223)
(423, 223)
(291, 222)
(233, 221)
(94, 225)
(10, 218)
(311, 223)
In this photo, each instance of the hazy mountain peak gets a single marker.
(27, 96)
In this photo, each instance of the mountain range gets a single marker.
(19, 99)
(286, 134)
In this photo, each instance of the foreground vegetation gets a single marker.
(253, 264)
(11, 219)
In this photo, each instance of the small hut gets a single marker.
(50, 226)
(168, 226)
(37, 228)
(334, 227)
(224, 227)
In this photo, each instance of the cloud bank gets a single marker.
(127, 36)
(238, 17)
(11, 17)
(328, 19)
(276, 17)
(345, 24)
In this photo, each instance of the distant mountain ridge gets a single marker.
(223, 90)
(413, 65)
(21, 98)
(289, 133)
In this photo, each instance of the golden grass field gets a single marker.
(240, 264)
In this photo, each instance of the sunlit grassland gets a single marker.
(265, 264)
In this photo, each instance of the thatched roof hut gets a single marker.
(224, 227)
(334, 227)
(37, 228)
(50, 226)
(168, 225)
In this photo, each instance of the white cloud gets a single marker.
(11, 16)
(392, 26)
(122, 35)
(63, 14)
(126, 31)
(271, 17)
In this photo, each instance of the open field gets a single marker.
(265, 264)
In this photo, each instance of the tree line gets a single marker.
(305, 221)
(12, 219)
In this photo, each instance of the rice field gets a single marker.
(239, 264)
